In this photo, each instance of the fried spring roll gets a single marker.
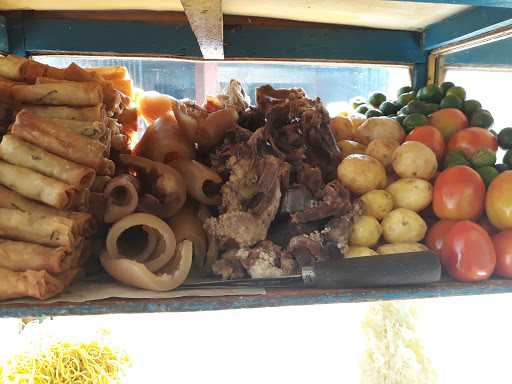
(83, 222)
(107, 168)
(37, 187)
(61, 93)
(111, 97)
(10, 67)
(59, 140)
(19, 256)
(55, 73)
(18, 152)
(31, 70)
(90, 129)
(52, 231)
(110, 73)
(95, 113)
(37, 284)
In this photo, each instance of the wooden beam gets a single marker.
(466, 25)
(117, 37)
(205, 18)
(475, 3)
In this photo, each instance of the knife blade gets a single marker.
(359, 272)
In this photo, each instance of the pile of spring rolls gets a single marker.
(59, 129)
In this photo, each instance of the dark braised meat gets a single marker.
(250, 198)
(251, 119)
(268, 97)
(282, 206)
(334, 200)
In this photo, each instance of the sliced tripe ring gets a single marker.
(122, 242)
(138, 275)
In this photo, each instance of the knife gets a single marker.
(358, 272)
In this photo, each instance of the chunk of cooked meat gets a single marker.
(264, 260)
(321, 148)
(308, 249)
(268, 97)
(251, 119)
(334, 200)
(219, 156)
(250, 198)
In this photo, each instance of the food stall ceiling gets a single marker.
(364, 13)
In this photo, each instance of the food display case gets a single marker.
(332, 49)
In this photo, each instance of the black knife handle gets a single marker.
(375, 271)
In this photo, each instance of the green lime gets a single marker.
(363, 108)
(505, 138)
(470, 107)
(376, 99)
(446, 86)
(455, 158)
(482, 118)
(483, 157)
(388, 108)
(403, 90)
(416, 106)
(374, 113)
(405, 99)
(404, 111)
(430, 108)
(502, 167)
(399, 118)
(507, 159)
(431, 94)
(357, 101)
(414, 120)
(488, 174)
(457, 91)
(452, 101)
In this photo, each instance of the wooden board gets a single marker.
(273, 298)
(365, 13)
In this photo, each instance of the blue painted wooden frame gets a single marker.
(138, 37)
(466, 25)
(273, 298)
(324, 43)
(121, 37)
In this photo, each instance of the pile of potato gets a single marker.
(392, 180)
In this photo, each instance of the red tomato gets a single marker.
(459, 194)
(503, 246)
(437, 234)
(431, 137)
(468, 252)
(471, 140)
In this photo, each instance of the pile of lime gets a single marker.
(412, 108)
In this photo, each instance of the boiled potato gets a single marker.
(349, 147)
(342, 129)
(387, 249)
(379, 128)
(377, 203)
(413, 194)
(359, 252)
(414, 159)
(361, 173)
(365, 232)
(356, 119)
(403, 226)
(382, 150)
